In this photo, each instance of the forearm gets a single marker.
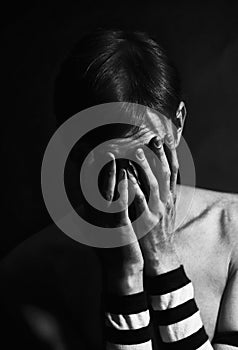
(127, 281)
(175, 312)
(127, 317)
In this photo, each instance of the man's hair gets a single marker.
(116, 66)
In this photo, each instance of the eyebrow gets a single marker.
(140, 135)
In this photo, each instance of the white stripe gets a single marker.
(181, 329)
(206, 346)
(142, 346)
(173, 299)
(125, 322)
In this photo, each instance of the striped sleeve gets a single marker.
(127, 322)
(175, 312)
(227, 338)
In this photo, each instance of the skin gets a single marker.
(155, 254)
(206, 244)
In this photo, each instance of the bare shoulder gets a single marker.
(207, 196)
(230, 216)
(215, 209)
(202, 199)
(226, 204)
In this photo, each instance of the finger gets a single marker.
(136, 193)
(141, 177)
(110, 178)
(173, 162)
(123, 193)
(151, 180)
(134, 172)
(163, 173)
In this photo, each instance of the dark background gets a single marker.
(57, 279)
(202, 39)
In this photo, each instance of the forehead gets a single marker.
(154, 124)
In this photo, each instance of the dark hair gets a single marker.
(116, 66)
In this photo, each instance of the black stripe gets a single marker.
(125, 304)
(175, 314)
(192, 342)
(167, 282)
(228, 338)
(129, 337)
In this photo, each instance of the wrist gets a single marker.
(165, 261)
(125, 283)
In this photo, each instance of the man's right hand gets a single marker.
(123, 266)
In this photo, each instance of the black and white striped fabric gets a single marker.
(175, 312)
(227, 338)
(127, 322)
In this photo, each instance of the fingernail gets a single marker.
(169, 138)
(109, 197)
(132, 177)
(122, 174)
(110, 155)
(157, 143)
(140, 153)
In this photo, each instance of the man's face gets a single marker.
(154, 124)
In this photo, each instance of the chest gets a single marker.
(205, 257)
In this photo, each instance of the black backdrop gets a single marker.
(202, 39)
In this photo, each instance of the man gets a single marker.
(205, 246)
(190, 274)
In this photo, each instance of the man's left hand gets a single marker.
(159, 213)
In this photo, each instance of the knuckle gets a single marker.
(140, 198)
(160, 152)
(170, 203)
(109, 195)
(154, 186)
(144, 165)
(151, 220)
(174, 198)
(161, 149)
(175, 167)
(122, 203)
(122, 185)
(161, 209)
(168, 207)
(161, 213)
(167, 174)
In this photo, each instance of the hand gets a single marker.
(123, 266)
(158, 244)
